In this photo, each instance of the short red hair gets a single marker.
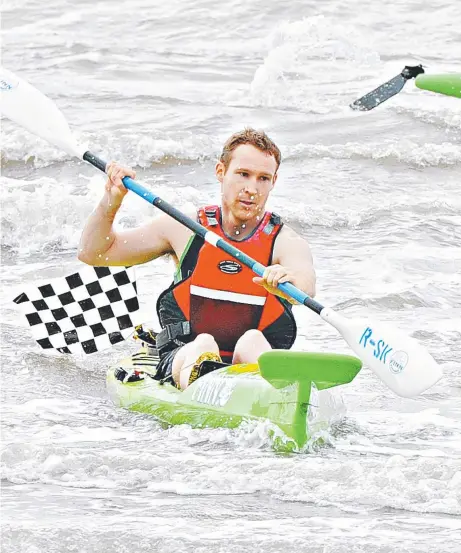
(258, 139)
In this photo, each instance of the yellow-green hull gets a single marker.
(287, 388)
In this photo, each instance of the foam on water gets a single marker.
(283, 80)
(387, 477)
(405, 151)
(55, 222)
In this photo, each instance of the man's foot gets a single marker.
(207, 356)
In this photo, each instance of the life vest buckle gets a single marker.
(170, 334)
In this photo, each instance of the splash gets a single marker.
(59, 212)
(301, 53)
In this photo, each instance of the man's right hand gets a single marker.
(114, 184)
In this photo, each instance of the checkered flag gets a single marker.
(89, 310)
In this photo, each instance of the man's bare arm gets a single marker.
(292, 252)
(101, 245)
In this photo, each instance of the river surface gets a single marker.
(160, 85)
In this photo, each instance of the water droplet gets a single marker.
(107, 259)
(252, 197)
(107, 238)
(243, 226)
(237, 232)
(100, 255)
(125, 241)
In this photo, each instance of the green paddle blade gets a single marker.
(283, 367)
(449, 84)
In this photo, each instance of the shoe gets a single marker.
(207, 356)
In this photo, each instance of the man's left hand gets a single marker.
(274, 275)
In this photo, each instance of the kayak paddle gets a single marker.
(399, 361)
(448, 84)
(387, 90)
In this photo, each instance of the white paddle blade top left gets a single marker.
(27, 106)
(398, 360)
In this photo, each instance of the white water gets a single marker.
(160, 86)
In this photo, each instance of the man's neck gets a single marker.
(236, 228)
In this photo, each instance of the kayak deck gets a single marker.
(289, 389)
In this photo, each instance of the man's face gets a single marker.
(246, 184)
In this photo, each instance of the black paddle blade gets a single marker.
(380, 94)
(386, 90)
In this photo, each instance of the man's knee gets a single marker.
(252, 336)
(206, 342)
(250, 346)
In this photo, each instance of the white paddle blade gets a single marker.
(27, 106)
(398, 360)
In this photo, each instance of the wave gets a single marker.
(148, 150)
(441, 116)
(143, 151)
(403, 151)
(61, 205)
(390, 302)
(46, 215)
(436, 212)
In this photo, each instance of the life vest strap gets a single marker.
(170, 334)
(211, 217)
(275, 220)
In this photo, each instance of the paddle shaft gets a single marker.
(207, 235)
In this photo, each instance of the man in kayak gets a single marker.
(216, 309)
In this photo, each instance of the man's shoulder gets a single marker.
(288, 240)
(287, 232)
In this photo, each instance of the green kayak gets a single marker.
(448, 84)
(287, 388)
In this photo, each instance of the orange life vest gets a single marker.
(216, 294)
